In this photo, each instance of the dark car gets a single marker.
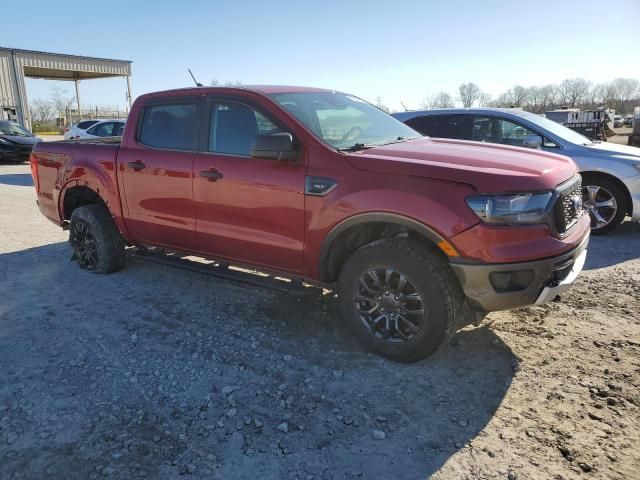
(16, 142)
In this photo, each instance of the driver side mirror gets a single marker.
(532, 141)
(274, 146)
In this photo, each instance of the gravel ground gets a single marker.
(157, 373)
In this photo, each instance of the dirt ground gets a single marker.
(161, 373)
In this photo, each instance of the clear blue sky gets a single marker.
(398, 50)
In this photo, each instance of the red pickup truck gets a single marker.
(420, 236)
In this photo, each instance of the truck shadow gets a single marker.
(95, 349)
(619, 246)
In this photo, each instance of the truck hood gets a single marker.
(487, 167)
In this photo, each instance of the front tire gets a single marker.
(605, 202)
(399, 298)
(96, 241)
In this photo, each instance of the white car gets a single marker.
(74, 130)
(100, 128)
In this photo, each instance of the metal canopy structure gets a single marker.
(16, 64)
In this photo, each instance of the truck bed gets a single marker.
(56, 166)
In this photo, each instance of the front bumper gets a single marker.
(633, 185)
(548, 278)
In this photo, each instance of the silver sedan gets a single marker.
(610, 172)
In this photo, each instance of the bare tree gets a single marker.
(548, 97)
(59, 100)
(439, 100)
(534, 99)
(574, 91)
(41, 111)
(381, 105)
(469, 94)
(484, 99)
(520, 95)
(624, 90)
(214, 82)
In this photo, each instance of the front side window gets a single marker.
(513, 133)
(344, 121)
(10, 128)
(171, 126)
(234, 127)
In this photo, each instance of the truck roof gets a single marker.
(263, 89)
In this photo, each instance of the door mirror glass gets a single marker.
(532, 141)
(274, 146)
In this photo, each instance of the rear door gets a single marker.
(442, 126)
(248, 209)
(156, 172)
(102, 129)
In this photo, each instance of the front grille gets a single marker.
(568, 206)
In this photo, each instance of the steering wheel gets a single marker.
(351, 133)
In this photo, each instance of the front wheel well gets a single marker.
(351, 239)
(617, 181)
(79, 196)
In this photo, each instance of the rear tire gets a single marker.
(426, 275)
(97, 243)
(596, 191)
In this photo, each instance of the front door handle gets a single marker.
(211, 175)
(137, 165)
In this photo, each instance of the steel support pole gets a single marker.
(78, 97)
(129, 91)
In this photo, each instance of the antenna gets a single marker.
(404, 106)
(194, 78)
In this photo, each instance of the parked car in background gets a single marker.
(73, 131)
(618, 121)
(16, 142)
(628, 120)
(634, 138)
(610, 172)
(594, 124)
(420, 236)
(103, 128)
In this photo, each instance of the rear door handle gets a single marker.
(211, 175)
(137, 165)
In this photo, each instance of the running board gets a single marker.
(228, 272)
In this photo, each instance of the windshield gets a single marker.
(557, 129)
(344, 121)
(8, 128)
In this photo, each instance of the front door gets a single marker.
(156, 175)
(247, 209)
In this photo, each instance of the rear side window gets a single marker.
(102, 129)
(171, 126)
(441, 126)
(86, 124)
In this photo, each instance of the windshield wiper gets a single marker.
(397, 140)
(356, 147)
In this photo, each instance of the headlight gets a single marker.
(522, 208)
